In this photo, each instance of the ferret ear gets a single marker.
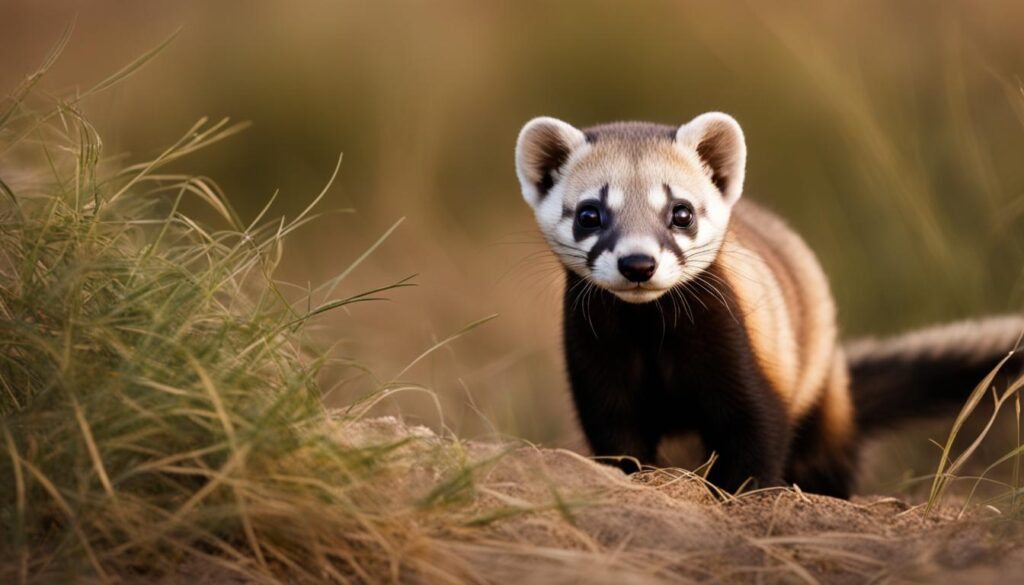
(543, 147)
(718, 140)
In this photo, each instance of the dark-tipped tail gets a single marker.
(929, 372)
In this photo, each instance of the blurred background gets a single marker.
(889, 134)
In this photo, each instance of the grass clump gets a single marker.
(158, 391)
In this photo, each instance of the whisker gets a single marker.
(711, 288)
(579, 293)
(680, 292)
(661, 312)
(591, 288)
(686, 285)
(675, 309)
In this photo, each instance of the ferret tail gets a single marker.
(931, 371)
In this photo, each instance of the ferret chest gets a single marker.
(662, 352)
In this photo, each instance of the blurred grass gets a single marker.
(887, 134)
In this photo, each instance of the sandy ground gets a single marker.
(666, 526)
(544, 516)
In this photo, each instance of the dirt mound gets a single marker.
(552, 516)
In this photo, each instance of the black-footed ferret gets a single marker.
(687, 309)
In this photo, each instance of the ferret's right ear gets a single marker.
(543, 148)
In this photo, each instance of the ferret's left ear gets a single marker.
(718, 140)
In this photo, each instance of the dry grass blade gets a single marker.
(944, 470)
(129, 69)
(94, 452)
(20, 504)
(22, 91)
(441, 344)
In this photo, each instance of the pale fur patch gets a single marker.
(763, 310)
(638, 244)
(616, 198)
(975, 337)
(837, 404)
(656, 197)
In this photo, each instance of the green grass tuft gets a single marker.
(157, 387)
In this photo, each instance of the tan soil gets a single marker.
(545, 516)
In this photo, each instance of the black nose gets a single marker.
(637, 267)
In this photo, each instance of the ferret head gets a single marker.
(633, 208)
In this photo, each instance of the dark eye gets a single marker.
(682, 215)
(588, 217)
